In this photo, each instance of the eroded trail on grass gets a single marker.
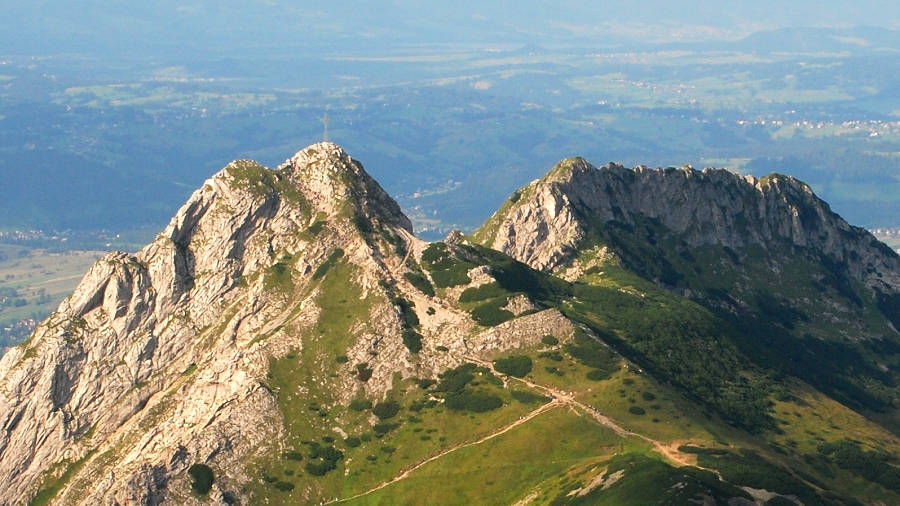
(497, 432)
(558, 398)
(668, 451)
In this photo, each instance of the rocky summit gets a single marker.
(546, 223)
(610, 336)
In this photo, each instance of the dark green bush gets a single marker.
(202, 478)
(552, 355)
(492, 379)
(701, 451)
(597, 375)
(362, 224)
(490, 313)
(637, 410)
(293, 455)
(515, 365)
(381, 429)
(425, 383)
(324, 459)
(409, 314)
(528, 397)
(396, 241)
(446, 269)
(420, 282)
(749, 469)
(330, 262)
(477, 403)
(316, 468)
(483, 292)
(647, 396)
(454, 380)
(352, 441)
(412, 340)
(874, 465)
(385, 410)
(435, 253)
(592, 353)
(286, 486)
(360, 404)
(315, 228)
(363, 372)
(550, 340)
(456, 275)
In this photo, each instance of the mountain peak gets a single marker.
(544, 223)
(240, 258)
(339, 185)
(287, 317)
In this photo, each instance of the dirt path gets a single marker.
(557, 399)
(669, 451)
(396, 268)
(497, 432)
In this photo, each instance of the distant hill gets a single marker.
(222, 29)
(821, 40)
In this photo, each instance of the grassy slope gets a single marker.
(807, 418)
(548, 456)
(504, 469)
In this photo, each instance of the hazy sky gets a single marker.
(161, 27)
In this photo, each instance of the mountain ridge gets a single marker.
(287, 324)
(148, 306)
(712, 207)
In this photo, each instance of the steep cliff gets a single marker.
(545, 223)
(803, 292)
(158, 360)
(287, 340)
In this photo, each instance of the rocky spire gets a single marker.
(155, 360)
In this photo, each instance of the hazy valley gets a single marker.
(625, 254)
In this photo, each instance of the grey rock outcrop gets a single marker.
(546, 222)
(156, 361)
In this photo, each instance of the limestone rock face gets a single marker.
(156, 361)
(548, 220)
(167, 358)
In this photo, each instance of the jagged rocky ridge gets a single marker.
(799, 290)
(163, 359)
(547, 221)
(158, 359)
(98, 375)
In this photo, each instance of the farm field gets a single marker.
(32, 284)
